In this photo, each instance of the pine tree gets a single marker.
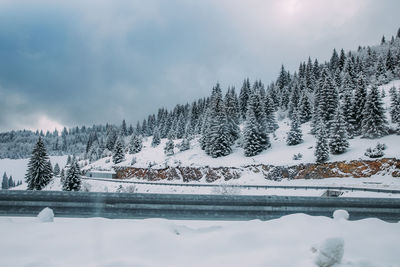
(124, 130)
(72, 180)
(321, 149)
(294, 99)
(169, 147)
(135, 144)
(119, 154)
(347, 111)
(270, 120)
(360, 98)
(338, 136)
(11, 182)
(39, 172)
(252, 143)
(232, 114)
(62, 176)
(56, 170)
(156, 138)
(394, 105)
(69, 160)
(220, 137)
(305, 111)
(184, 145)
(244, 97)
(295, 135)
(4, 183)
(374, 124)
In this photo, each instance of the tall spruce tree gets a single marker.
(169, 146)
(4, 183)
(232, 115)
(360, 98)
(321, 149)
(338, 136)
(156, 138)
(244, 97)
(135, 144)
(218, 139)
(347, 112)
(295, 135)
(119, 153)
(252, 141)
(305, 110)
(270, 120)
(374, 124)
(56, 170)
(72, 179)
(39, 173)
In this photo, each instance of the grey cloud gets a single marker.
(84, 62)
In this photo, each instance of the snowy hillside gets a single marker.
(278, 154)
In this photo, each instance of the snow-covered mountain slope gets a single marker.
(279, 153)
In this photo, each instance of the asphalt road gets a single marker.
(196, 207)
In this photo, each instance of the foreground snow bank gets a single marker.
(288, 241)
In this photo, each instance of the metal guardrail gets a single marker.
(174, 206)
(305, 187)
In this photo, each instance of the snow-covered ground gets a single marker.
(293, 240)
(278, 154)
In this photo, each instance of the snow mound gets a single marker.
(330, 252)
(340, 215)
(46, 215)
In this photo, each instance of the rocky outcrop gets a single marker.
(354, 168)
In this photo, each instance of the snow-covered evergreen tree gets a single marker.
(270, 120)
(169, 147)
(394, 105)
(360, 98)
(156, 138)
(184, 145)
(56, 170)
(347, 112)
(338, 136)
(252, 143)
(72, 180)
(295, 135)
(232, 114)
(321, 148)
(135, 144)
(11, 182)
(39, 172)
(216, 138)
(4, 183)
(305, 109)
(119, 152)
(374, 124)
(244, 97)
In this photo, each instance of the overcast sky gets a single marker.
(77, 62)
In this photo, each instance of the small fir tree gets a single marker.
(119, 154)
(321, 149)
(338, 142)
(72, 181)
(4, 183)
(374, 124)
(56, 170)
(252, 143)
(295, 135)
(169, 147)
(184, 145)
(39, 171)
(156, 138)
(135, 144)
